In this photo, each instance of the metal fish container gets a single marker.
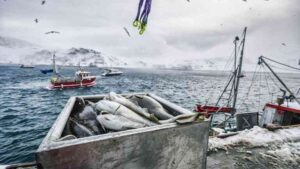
(165, 146)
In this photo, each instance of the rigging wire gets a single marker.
(277, 67)
(271, 77)
(283, 64)
(213, 89)
(268, 87)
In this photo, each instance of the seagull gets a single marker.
(43, 2)
(283, 44)
(51, 32)
(126, 31)
(36, 20)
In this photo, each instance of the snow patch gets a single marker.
(288, 152)
(256, 137)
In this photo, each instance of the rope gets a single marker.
(141, 20)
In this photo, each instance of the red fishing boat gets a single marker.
(81, 79)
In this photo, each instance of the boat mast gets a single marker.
(236, 75)
(55, 71)
(234, 69)
(236, 89)
(260, 61)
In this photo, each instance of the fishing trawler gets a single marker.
(285, 111)
(82, 79)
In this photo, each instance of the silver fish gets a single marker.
(67, 137)
(118, 109)
(88, 113)
(95, 126)
(153, 106)
(182, 119)
(125, 102)
(117, 122)
(80, 130)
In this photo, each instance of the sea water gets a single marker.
(28, 107)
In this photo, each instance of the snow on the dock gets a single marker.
(256, 137)
(288, 152)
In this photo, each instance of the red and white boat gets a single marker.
(82, 79)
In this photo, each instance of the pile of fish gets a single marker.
(118, 113)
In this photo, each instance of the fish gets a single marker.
(67, 137)
(153, 106)
(79, 104)
(125, 102)
(118, 109)
(182, 119)
(80, 130)
(88, 113)
(95, 126)
(117, 122)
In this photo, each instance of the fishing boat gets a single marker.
(82, 79)
(112, 72)
(285, 111)
(45, 71)
(27, 66)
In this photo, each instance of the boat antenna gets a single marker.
(261, 60)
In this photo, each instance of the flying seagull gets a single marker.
(36, 20)
(51, 32)
(283, 44)
(125, 29)
(43, 2)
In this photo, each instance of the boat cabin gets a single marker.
(284, 112)
(82, 74)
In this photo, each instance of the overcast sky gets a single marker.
(177, 29)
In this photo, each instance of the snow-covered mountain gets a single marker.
(22, 52)
(17, 51)
(11, 49)
(75, 57)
